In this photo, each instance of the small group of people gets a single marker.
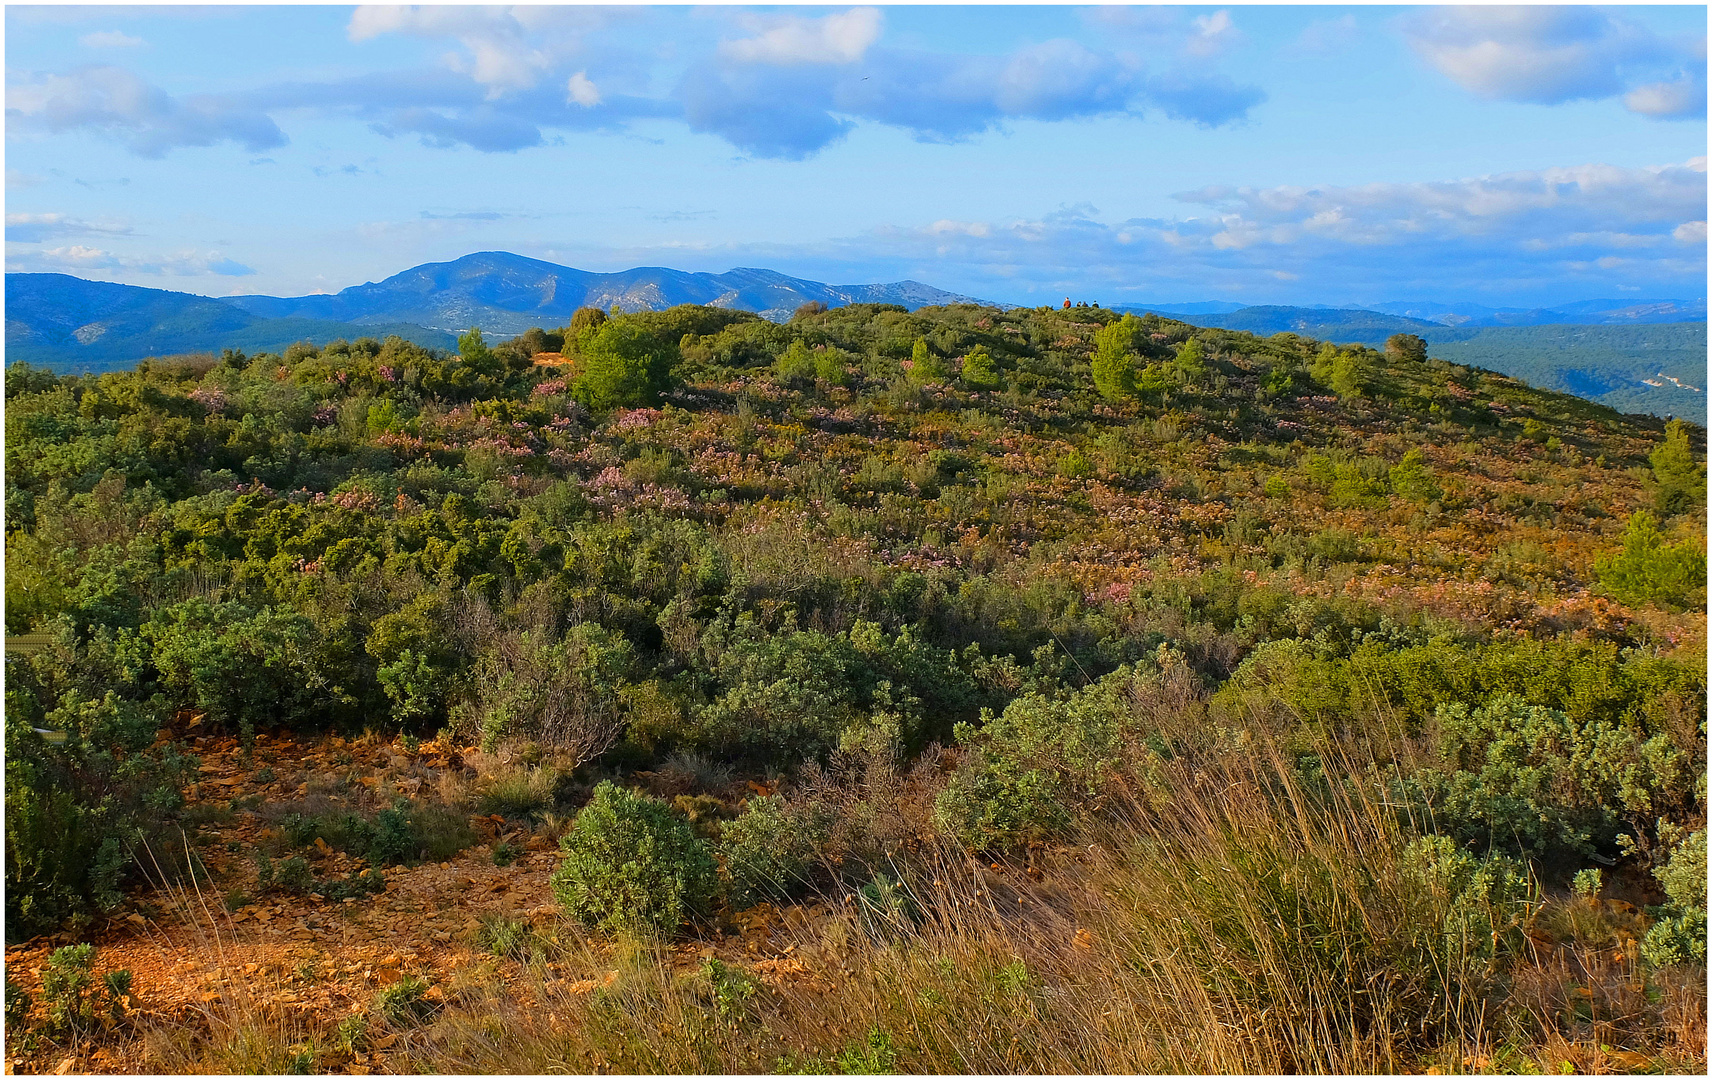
(1079, 303)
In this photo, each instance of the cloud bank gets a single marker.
(780, 86)
(1550, 55)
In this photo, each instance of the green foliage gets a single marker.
(631, 864)
(1407, 348)
(1681, 479)
(405, 1003)
(1031, 771)
(624, 364)
(770, 849)
(76, 808)
(1531, 779)
(1647, 570)
(728, 991)
(561, 694)
(75, 1001)
(1190, 361)
(925, 364)
(1679, 934)
(245, 669)
(472, 348)
(584, 319)
(796, 364)
(1412, 478)
(18, 1004)
(1487, 900)
(875, 1055)
(508, 938)
(1344, 371)
(979, 369)
(1113, 363)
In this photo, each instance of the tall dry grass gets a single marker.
(1238, 919)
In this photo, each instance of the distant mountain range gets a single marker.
(1593, 348)
(507, 294)
(1412, 313)
(68, 323)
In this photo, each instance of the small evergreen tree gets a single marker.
(925, 367)
(623, 365)
(979, 370)
(1647, 570)
(1114, 361)
(471, 346)
(1681, 479)
(1191, 362)
(1405, 347)
(1412, 478)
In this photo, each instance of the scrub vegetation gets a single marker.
(947, 691)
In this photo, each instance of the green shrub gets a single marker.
(1681, 479)
(506, 937)
(795, 364)
(769, 849)
(1649, 571)
(1412, 478)
(632, 864)
(875, 1055)
(887, 906)
(1113, 363)
(1031, 771)
(18, 1004)
(75, 1001)
(75, 808)
(1533, 780)
(979, 370)
(1487, 901)
(405, 1003)
(1679, 934)
(624, 364)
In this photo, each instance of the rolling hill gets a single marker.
(1597, 350)
(507, 294)
(69, 324)
(1614, 352)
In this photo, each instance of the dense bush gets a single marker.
(1031, 771)
(1531, 779)
(77, 808)
(1679, 935)
(1648, 570)
(770, 848)
(632, 864)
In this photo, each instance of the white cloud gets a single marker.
(945, 227)
(79, 258)
(37, 228)
(17, 179)
(841, 38)
(581, 90)
(110, 39)
(1549, 55)
(116, 101)
(1669, 100)
(1544, 236)
(506, 49)
(1213, 34)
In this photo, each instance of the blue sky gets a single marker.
(1257, 154)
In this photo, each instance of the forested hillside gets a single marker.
(1657, 368)
(1056, 691)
